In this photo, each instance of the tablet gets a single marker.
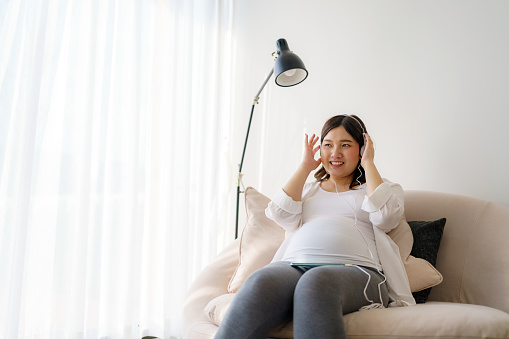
(314, 264)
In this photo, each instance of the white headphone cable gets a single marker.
(373, 305)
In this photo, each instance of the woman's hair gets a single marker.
(355, 127)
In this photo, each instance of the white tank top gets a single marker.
(328, 234)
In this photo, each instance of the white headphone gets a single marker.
(361, 152)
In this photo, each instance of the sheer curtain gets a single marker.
(114, 162)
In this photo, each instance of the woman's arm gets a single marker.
(385, 200)
(385, 205)
(294, 186)
(373, 178)
(284, 211)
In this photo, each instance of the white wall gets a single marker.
(429, 78)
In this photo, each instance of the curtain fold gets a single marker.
(115, 171)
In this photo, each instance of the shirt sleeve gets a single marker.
(385, 205)
(285, 211)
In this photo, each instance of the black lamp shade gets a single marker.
(289, 68)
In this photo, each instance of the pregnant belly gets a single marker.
(327, 241)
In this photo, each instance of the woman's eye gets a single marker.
(346, 145)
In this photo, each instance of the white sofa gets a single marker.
(472, 301)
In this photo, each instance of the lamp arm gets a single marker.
(257, 96)
(239, 179)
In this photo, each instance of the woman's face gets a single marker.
(340, 153)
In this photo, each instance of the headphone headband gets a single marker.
(350, 116)
(363, 147)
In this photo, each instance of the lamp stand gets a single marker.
(239, 179)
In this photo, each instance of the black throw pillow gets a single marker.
(427, 237)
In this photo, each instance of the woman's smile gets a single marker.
(336, 163)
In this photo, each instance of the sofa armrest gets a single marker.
(211, 282)
(473, 256)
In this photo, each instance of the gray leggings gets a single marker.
(317, 299)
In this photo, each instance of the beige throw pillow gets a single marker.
(421, 274)
(262, 237)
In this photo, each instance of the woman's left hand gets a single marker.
(373, 178)
(369, 152)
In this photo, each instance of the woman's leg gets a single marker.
(325, 293)
(264, 301)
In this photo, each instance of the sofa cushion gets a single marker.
(261, 237)
(429, 320)
(427, 237)
(217, 307)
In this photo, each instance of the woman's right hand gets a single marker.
(294, 186)
(308, 159)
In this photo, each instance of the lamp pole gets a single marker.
(239, 179)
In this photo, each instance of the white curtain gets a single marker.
(115, 176)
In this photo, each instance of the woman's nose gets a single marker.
(336, 152)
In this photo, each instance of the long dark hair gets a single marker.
(355, 127)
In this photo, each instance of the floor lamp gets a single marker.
(289, 71)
